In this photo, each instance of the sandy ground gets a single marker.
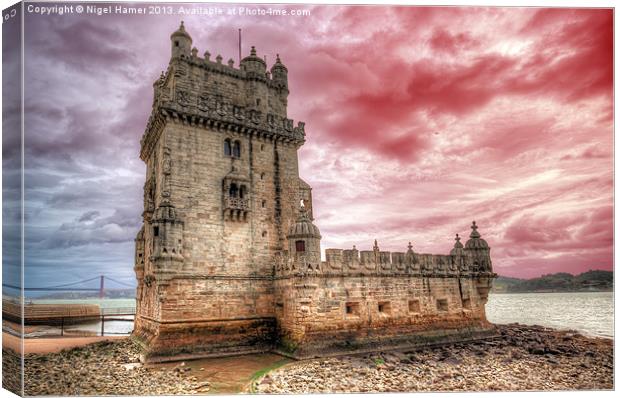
(51, 344)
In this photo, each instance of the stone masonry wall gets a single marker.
(326, 313)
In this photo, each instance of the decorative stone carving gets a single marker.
(183, 97)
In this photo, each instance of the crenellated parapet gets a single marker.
(187, 93)
(472, 260)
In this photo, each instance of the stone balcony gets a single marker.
(236, 209)
(237, 204)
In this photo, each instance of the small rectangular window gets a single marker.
(414, 306)
(155, 231)
(300, 246)
(384, 307)
(352, 309)
(442, 305)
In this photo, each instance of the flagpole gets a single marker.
(239, 46)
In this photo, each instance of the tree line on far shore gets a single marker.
(590, 281)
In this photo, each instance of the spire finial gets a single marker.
(474, 230)
(376, 246)
(253, 51)
(182, 27)
(458, 238)
(278, 59)
(410, 246)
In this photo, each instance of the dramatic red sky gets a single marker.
(418, 121)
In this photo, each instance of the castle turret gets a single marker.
(305, 241)
(181, 42)
(457, 254)
(478, 250)
(279, 74)
(458, 247)
(253, 65)
(167, 236)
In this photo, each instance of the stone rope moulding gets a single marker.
(228, 259)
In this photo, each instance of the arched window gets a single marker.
(242, 190)
(236, 149)
(233, 190)
(300, 246)
(227, 149)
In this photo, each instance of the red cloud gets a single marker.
(442, 40)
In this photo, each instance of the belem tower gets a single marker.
(228, 259)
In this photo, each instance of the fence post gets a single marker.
(62, 326)
(102, 323)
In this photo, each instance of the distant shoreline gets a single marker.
(556, 291)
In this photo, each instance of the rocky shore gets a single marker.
(523, 358)
(105, 368)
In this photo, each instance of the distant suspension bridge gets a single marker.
(71, 287)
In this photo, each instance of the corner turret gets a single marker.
(478, 250)
(279, 74)
(458, 247)
(253, 65)
(181, 42)
(305, 241)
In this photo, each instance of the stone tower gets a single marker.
(222, 192)
(228, 260)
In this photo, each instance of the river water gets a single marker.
(590, 313)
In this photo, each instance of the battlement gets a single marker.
(206, 93)
(375, 262)
(243, 72)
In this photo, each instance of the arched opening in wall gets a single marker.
(262, 147)
(176, 43)
(227, 148)
(233, 191)
(264, 234)
(263, 203)
(300, 246)
(262, 176)
(155, 231)
(242, 191)
(237, 149)
(257, 101)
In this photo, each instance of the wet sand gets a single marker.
(231, 374)
(51, 344)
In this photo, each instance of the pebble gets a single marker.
(523, 358)
(105, 368)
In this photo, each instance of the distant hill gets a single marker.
(591, 281)
(111, 294)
